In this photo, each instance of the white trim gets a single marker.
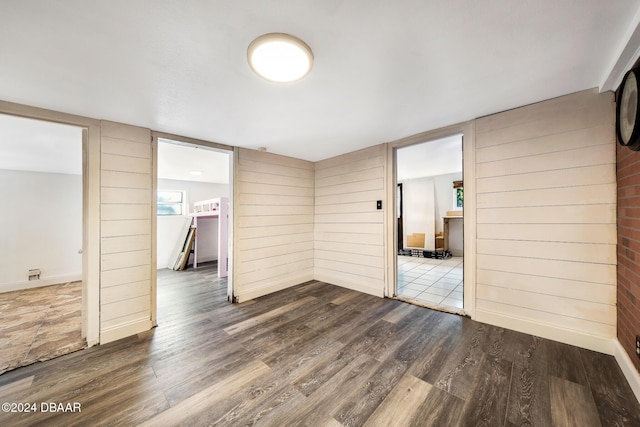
(468, 131)
(624, 59)
(242, 296)
(390, 224)
(30, 284)
(91, 208)
(122, 331)
(154, 228)
(234, 165)
(568, 336)
(628, 368)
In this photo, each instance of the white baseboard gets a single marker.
(278, 285)
(628, 368)
(125, 330)
(552, 332)
(47, 281)
(338, 281)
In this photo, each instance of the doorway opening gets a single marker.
(41, 227)
(194, 196)
(429, 222)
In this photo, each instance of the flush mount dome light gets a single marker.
(279, 57)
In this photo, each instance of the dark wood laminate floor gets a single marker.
(320, 355)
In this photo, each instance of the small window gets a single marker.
(170, 202)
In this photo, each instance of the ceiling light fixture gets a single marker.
(279, 57)
(196, 173)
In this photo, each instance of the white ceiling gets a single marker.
(38, 146)
(437, 157)
(181, 161)
(383, 69)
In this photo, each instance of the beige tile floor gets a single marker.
(39, 324)
(433, 282)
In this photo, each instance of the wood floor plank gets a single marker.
(185, 411)
(333, 325)
(290, 351)
(572, 404)
(253, 321)
(268, 411)
(429, 364)
(399, 313)
(371, 311)
(318, 354)
(365, 401)
(429, 338)
(529, 399)
(360, 344)
(320, 406)
(613, 396)
(438, 409)
(347, 296)
(492, 383)
(460, 372)
(181, 384)
(399, 407)
(565, 362)
(13, 388)
(274, 396)
(333, 423)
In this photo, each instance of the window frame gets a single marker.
(181, 203)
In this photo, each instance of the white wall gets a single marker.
(40, 227)
(419, 213)
(546, 219)
(273, 223)
(418, 210)
(444, 202)
(349, 230)
(169, 228)
(443, 185)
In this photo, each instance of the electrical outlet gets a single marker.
(637, 345)
(34, 274)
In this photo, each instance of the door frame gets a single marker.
(90, 208)
(154, 218)
(467, 129)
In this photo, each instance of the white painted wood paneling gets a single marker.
(349, 230)
(273, 217)
(546, 224)
(126, 231)
(590, 175)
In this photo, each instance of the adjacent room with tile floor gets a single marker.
(433, 282)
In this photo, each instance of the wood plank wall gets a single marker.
(349, 230)
(546, 219)
(273, 223)
(126, 231)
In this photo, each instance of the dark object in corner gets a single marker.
(628, 111)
